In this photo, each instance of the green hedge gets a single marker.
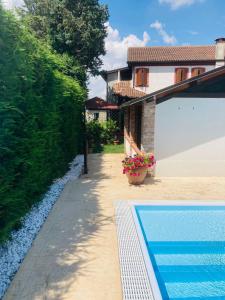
(101, 133)
(40, 120)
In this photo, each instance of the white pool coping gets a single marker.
(134, 259)
(149, 267)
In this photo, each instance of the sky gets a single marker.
(154, 23)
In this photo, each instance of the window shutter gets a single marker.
(138, 77)
(145, 74)
(194, 72)
(141, 77)
(181, 74)
(197, 71)
(177, 75)
(185, 74)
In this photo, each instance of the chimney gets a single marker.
(220, 52)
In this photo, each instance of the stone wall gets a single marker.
(90, 115)
(148, 127)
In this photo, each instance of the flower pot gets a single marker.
(136, 180)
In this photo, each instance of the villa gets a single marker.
(174, 101)
(120, 198)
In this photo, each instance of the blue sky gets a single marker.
(194, 22)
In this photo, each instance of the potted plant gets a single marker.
(136, 167)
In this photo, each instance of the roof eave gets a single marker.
(105, 73)
(171, 62)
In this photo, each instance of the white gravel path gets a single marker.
(14, 251)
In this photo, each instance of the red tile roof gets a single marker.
(171, 54)
(123, 89)
(97, 103)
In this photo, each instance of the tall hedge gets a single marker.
(40, 120)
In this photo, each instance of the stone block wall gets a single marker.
(148, 127)
(90, 115)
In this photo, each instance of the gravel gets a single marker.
(13, 252)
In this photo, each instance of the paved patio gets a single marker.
(75, 255)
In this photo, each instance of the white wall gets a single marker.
(163, 76)
(190, 137)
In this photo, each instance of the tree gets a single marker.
(75, 27)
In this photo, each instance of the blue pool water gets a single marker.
(186, 245)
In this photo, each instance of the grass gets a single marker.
(113, 148)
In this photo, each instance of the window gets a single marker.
(141, 77)
(181, 74)
(197, 71)
(96, 116)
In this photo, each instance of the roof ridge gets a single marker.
(175, 46)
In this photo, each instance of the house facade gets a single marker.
(174, 105)
(98, 109)
(152, 68)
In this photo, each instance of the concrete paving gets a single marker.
(75, 255)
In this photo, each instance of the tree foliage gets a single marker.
(75, 27)
(40, 120)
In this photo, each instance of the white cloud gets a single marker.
(175, 4)
(116, 56)
(10, 4)
(159, 27)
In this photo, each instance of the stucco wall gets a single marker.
(190, 137)
(163, 76)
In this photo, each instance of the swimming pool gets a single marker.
(184, 249)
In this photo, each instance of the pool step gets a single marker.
(200, 247)
(196, 290)
(190, 270)
(193, 273)
(190, 259)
